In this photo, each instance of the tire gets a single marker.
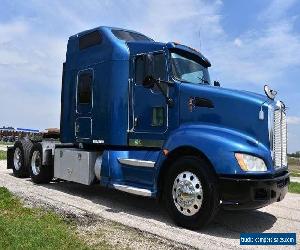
(39, 173)
(191, 193)
(21, 154)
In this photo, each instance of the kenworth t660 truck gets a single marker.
(143, 117)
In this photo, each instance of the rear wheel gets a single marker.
(39, 173)
(190, 192)
(21, 158)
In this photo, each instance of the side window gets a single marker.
(159, 66)
(84, 91)
(140, 70)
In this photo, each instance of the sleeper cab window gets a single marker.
(159, 68)
(130, 36)
(89, 40)
(85, 88)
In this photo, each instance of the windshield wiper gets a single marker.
(203, 80)
(181, 80)
(185, 81)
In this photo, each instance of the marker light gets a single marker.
(166, 152)
(250, 163)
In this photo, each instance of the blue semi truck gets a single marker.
(143, 117)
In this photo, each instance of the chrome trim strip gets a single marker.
(133, 190)
(136, 162)
(128, 105)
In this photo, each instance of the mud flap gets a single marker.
(10, 157)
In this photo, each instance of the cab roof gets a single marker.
(115, 42)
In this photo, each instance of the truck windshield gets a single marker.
(186, 69)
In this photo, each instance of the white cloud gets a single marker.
(9, 31)
(277, 10)
(11, 57)
(293, 120)
(30, 75)
(32, 47)
(238, 42)
(263, 55)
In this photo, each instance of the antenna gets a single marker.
(200, 39)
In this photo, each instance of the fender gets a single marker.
(218, 144)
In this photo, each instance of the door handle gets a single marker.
(199, 102)
(135, 121)
(77, 128)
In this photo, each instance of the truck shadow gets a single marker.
(227, 224)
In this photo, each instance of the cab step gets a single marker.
(133, 190)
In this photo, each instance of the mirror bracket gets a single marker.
(149, 82)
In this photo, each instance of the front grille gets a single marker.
(280, 139)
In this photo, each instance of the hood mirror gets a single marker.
(217, 84)
(270, 92)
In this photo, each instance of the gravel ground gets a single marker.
(295, 179)
(129, 221)
(3, 148)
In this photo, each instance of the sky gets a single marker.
(249, 43)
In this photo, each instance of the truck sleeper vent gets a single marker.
(89, 40)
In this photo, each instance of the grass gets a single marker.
(294, 187)
(294, 166)
(294, 161)
(2, 155)
(295, 174)
(33, 228)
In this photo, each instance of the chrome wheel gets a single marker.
(17, 159)
(36, 162)
(187, 193)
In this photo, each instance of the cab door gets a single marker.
(84, 105)
(149, 111)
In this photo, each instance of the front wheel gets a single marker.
(190, 192)
(39, 173)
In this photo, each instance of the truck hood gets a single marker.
(234, 109)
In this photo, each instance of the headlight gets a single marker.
(250, 163)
